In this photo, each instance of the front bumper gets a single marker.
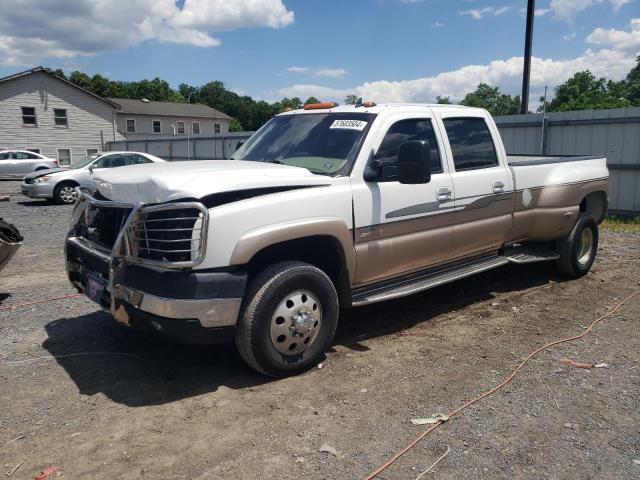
(147, 293)
(37, 190)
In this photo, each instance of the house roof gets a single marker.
(51, 73)
(128, 105)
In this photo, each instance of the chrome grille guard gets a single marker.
(126, 247)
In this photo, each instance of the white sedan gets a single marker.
(60, 184)
(17, 163)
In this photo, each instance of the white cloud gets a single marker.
(613, 61)
(541, 12)
(502, 10)
(477, 13)
(331, 72)
(569, 36)
(618, 39)
(437, 25)
(31, 30)
(567, 9)
(299, 69)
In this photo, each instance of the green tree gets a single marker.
(492, 100)
(584, 91)
(311, 100)
(443, 100)
(235, 126)
(350, 99)
(632, 84)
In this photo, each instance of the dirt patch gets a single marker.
(115, 404)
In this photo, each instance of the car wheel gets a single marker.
(578, 250)
(289, 319)
(65, 193)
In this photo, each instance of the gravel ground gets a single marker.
(141, 408)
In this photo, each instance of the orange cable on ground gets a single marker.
(36, 302)
(509, 377)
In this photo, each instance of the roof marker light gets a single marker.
(318, 106)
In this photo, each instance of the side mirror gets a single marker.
(414, 162)
(91, 169)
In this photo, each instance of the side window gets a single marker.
(23, 155)
(106, 161)
(137, 159)
(404, 131)
(471, 143)
(5, 156)
(131, 125)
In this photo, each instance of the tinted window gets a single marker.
(137, 159)
(404, 131)
(471, 143)
(5, 156)
(24, 155)
(110, 161)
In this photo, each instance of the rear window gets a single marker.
(471, 143)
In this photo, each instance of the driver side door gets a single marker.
(400, 228)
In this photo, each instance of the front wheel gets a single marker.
(289, 319)
(578, 250)
(65, 193)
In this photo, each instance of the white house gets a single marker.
(47, 114)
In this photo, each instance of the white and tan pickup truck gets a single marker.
(324, 208)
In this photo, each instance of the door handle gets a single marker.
(498, 186)
(443, 193)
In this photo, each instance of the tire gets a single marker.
(288, 320)
(578, 250)
(65, 193)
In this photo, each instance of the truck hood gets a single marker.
(164, 182)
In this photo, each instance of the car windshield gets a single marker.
(322, 143)
(85, 161)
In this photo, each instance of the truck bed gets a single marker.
(526, 160)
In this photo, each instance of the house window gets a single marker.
(64, 156)
(29, 116)
(91, 151)
(34, 150)
(195, 128)
(157, 126)
(180, 127)
(131, 125)
(60, 117)
(216, 128)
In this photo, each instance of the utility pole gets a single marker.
(528, 40)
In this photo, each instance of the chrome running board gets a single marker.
(530, 253)
(403, 288)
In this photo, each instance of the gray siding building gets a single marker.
(42, 112)
(144, 119)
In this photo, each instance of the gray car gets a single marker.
(18, 163)
(60, 184)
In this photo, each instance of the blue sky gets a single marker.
(396, 50)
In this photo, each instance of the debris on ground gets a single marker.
(326, 448)
(14, 469)
(438, 417)
(570, 363)
(46, 473)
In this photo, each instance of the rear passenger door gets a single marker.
(402, 228)
(6, 164)
(483, 187)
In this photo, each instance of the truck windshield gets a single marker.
(322, 143)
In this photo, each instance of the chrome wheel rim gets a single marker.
(295, 322)
(585, 246)
(68, 194)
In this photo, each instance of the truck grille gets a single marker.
(172, 235)
(104, 223)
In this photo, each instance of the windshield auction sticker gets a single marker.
(349, 124)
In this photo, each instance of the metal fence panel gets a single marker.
(614, 133)
(179, 148)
